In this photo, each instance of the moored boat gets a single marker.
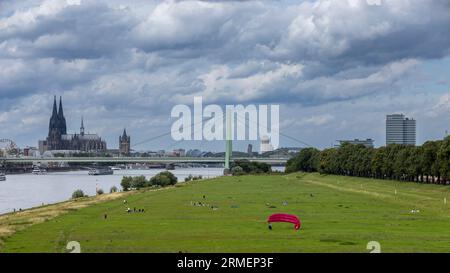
(101, 171)
(37, 170)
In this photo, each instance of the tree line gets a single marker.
(244, 166)
(162, 179)
(429, 163)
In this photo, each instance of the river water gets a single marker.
(22, 191)
(30, 190)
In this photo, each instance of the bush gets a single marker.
(126, 183)
(138, 182)
(173, 179)
(237, 170)
(77, 194)
(113, 189)
(248, 167)
(163, 179)
(100, 192)
(193, 178)
(160, 180)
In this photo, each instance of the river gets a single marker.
(22, 191)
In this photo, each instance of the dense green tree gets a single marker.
(443, 159)
(77, 194)
(126, 183)
(163, 179)
(427, 163)
(251, 167)
(138, 182)
(377, 163)
(307, 160)
(327, 161)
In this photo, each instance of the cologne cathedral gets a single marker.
(58, 139)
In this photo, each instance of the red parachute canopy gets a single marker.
(288, 218)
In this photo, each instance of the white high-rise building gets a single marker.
(400, 130)
(265, 145)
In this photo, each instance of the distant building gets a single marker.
(367, 142)
(250, 149)
(194, 153)
(59, 140)
(265, 145)
(179, 153)
(400, 130)
(124, 144)
(31, 151)
(294, 150)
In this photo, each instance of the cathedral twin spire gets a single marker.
(58, 121)
(58, 139)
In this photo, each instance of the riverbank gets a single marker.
(29, 170)
(24, 191)
(228, 214)
(13, 222)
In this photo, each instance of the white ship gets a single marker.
(101, 171)
(38, 170)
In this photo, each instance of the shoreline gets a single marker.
(68, 181)
(12, 222)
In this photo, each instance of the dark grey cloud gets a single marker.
(136, 59)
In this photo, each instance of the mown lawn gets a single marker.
(339, 214)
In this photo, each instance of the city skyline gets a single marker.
(336, 68)
(399, 129)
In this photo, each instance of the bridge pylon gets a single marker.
(228, 144)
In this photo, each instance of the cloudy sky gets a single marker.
(336, 68)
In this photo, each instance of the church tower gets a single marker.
(57, 127)
(82, 127)
(61, 118)
(124, 144)
(54, 132)
(58, 139)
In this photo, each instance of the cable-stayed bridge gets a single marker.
(124, 160)
(160, 160)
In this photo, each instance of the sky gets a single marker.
(336, 68)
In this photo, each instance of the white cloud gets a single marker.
(134, 60)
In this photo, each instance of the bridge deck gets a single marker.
(167, 160)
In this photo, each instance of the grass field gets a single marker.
(339, 214)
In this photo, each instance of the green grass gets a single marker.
(342, 215)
